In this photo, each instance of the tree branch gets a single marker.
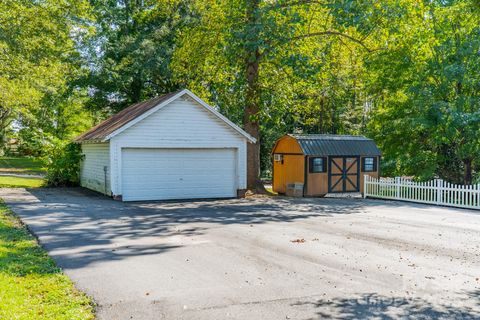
(332, 33)
(291, 4)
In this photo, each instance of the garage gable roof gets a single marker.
(336, 145)
(139, 111)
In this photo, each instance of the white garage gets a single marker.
(171, 147)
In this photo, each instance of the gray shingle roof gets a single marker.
(336, 145)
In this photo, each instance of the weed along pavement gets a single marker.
(260, 258)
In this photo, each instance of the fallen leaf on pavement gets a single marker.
(298, 241)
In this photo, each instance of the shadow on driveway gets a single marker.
(74, 217)
(107, 230)
(360, 258)
(375, 306)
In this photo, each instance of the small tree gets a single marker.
(63, 164)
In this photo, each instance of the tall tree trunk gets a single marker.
(5, 120)
(467, 177)
(252, 97)
(321, 115)
(136, 88)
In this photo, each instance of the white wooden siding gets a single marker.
(181, 124)
(92, 175)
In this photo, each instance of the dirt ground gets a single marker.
(260, 258)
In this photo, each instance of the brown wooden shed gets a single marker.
(324, 163)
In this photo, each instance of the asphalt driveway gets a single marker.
(260, 258)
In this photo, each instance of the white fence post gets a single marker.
(439, 186)
(397, 187)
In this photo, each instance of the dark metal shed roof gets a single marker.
(102, 130)
(336, 145)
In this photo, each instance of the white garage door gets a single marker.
(162, 174)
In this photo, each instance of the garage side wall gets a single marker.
(92, 170)
(183, 123)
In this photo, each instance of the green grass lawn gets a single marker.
(17, 182)
(31, 285)
(23, 165)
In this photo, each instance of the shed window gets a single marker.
(317, 164)
(369, 164)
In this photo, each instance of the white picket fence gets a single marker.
(437, 192)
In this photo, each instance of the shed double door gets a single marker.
(344, 174)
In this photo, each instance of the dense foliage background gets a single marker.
(403, 72)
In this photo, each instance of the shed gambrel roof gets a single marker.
(134, 113)
(336, 145)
